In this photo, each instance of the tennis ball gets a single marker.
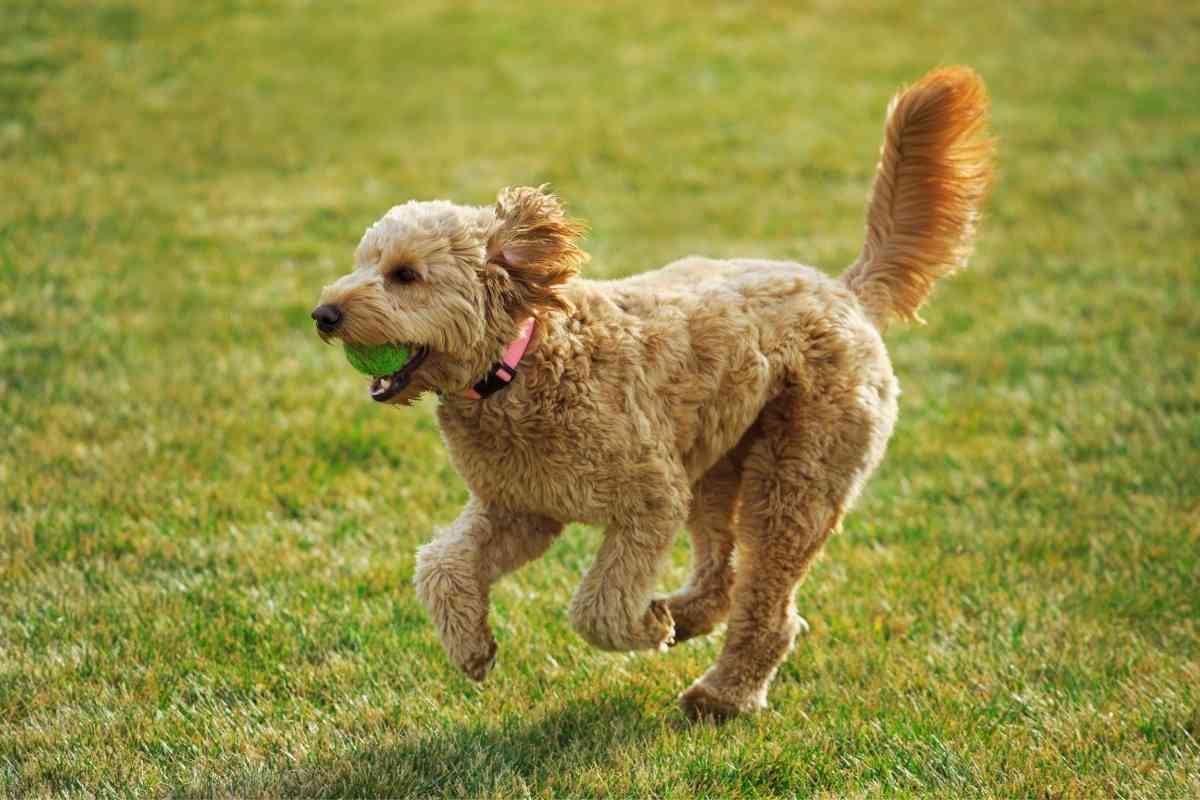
(376, 360)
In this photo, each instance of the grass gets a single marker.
(207, 530)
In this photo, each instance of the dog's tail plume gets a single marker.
(934, 171)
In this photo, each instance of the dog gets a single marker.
(746, 400)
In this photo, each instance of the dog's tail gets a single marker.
(934, 170)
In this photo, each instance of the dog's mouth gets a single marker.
(385, 387)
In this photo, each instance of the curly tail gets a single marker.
(934, 171)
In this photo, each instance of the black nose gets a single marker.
(328, 317)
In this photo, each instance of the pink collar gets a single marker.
(503, 371)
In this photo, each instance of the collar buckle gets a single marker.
(504, 371)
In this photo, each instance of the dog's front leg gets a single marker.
(613, 607)
(455, 571)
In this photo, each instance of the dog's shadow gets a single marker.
(478, 758)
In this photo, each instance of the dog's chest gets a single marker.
(566, 474)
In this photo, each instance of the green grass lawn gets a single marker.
(207, 529)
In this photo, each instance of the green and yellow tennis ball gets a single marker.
(376, 360)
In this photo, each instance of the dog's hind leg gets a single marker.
(704, 602)
(801, 474)
(455, 571)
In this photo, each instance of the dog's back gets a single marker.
(934, 170)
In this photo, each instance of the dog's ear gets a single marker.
(534, 242)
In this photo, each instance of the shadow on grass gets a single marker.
(471, 759)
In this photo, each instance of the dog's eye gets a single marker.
(402, 275)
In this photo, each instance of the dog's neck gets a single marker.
(504, 370)
(492, 418)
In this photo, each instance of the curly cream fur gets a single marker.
(934, 171)
(747, 400)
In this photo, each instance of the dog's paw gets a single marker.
(700, 704)
(696, 615)
(705, 703)
(623, 631)
(660, 625)
(475, 658)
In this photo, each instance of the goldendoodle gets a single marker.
(745, 400)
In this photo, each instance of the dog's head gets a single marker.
(453, 284)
